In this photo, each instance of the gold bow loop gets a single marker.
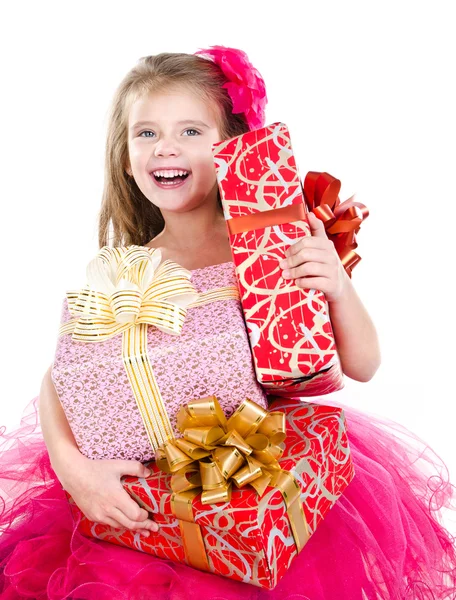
(129, 286)
(215, 451)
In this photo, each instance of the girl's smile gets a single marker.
(171, 177)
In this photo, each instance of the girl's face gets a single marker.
(170, 137)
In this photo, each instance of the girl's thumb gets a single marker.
(147, 472)
(136, 469)
(144, 471)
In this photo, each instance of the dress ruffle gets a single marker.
(383, 539)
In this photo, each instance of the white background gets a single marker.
(368, 94)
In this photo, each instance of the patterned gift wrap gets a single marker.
(289, 328)
(129, 340)
(249, 538)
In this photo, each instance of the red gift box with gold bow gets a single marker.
(265, 207)
(239, 497)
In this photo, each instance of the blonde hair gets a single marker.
(133, 217)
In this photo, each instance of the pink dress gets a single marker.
(383, 539)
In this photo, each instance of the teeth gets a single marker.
(170, 173)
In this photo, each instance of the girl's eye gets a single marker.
(195, 131)
(146, 132)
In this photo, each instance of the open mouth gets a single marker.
(171, 178)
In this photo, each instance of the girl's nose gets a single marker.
(166, 147)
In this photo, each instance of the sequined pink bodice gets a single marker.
(211, 356)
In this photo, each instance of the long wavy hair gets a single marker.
(124, 208)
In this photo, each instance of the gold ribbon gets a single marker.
(128, 290)
(214, 452)
(128, 287)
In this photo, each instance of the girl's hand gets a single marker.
(97, 490)
(313, 262)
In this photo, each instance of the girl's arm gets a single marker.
(58, 437)
(355, 335)
(95, 485)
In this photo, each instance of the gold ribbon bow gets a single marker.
(128, 287)
(214, 452)
(128, 290)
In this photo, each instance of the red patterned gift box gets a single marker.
(289, 327)
(251, 537)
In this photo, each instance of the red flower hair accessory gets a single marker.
(245, 85)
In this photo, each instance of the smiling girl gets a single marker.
(382, 539)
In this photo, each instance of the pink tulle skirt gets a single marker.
(383, 539)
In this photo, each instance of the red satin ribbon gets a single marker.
(266, 218)
(321, 194)
(341, 220)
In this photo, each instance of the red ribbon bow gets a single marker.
(341, 220)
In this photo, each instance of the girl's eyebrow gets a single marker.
(154, 124)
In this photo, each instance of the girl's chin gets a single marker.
(180, 204)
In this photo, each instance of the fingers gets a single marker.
(117, 525)
(317, 227)
(312, 283)
(304, 255)
(131, 467)
(110, 504)
(112, 523)
(130, 508)
(309, 269)
(310, 256)
(142, 516)
(127, 511)
(121, 518)
(122, 510)
(307, 242)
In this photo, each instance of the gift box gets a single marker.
(143, 338)
(265, 208)
(250, 533)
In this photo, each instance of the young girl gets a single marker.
(382, 539)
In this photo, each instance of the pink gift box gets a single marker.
(210, 356)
